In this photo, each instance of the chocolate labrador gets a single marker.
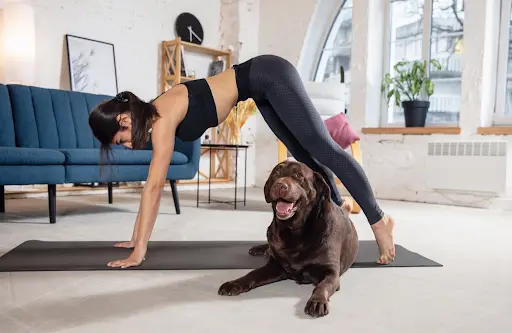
(310, 239)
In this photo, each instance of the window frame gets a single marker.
(499, 117)
(327, 46)
(425, 53)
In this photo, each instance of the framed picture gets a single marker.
(92, 66)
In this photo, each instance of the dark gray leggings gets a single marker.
(283, 102)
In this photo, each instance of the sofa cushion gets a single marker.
(30, 156)
(7, 138)
(31, 174)
(123, 173)
(51, 118)
(119, 156)
(24, 118)
(340, 130)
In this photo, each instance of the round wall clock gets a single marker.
(189, 29)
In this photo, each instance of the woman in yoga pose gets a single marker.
(187, 110)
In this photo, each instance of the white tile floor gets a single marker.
(471, 293)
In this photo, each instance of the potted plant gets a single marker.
(410, 88)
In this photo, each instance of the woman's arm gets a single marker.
(163, 147)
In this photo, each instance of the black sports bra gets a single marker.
(201, 114)
(202, 111)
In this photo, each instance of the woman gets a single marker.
(187, 110)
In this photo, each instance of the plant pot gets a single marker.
(415, 113)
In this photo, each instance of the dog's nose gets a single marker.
(280, 189)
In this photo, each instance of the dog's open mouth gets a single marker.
(285, 209)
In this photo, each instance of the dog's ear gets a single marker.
(323, 191)
(268, 185)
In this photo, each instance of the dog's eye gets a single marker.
(298, 176)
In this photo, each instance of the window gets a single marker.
(503, 111)
(335, 57)
(424, 30)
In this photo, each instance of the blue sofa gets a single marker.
(45, 138)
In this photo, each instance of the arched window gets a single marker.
(334, 61)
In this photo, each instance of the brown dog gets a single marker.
(310, 239)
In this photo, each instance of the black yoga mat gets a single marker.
(168, 255)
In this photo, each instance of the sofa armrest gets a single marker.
(192, 149)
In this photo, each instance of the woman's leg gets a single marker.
(284, 90)
(298, 152)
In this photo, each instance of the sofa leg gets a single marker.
(2, 199)
(110, 196)
(52, 202)
(174, 190)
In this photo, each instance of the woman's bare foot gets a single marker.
(383, 231)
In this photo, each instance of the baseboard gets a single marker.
(66, 190)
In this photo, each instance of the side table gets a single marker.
(222, 146)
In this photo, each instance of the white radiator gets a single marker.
(474, 166)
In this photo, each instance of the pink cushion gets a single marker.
(340, 130)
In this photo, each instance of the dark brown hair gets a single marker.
(104, 124)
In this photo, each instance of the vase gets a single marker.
(234, 138)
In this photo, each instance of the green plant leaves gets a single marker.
(430, 87)
(397, 98)
(436, 64)
(388, 78)
(409, 81)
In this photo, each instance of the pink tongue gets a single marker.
(284, 207)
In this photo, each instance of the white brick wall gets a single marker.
(396, 167)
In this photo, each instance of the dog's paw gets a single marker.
(317, 307)
(231, 288)
(258, 250)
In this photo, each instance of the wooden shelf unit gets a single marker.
(171, 60)
(170, 67)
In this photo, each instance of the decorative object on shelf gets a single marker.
(216, 67)
(92, 66)
(189, 29)
(237, 119)
(410, 88)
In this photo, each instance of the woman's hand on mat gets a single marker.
(126, 245)
(135, 259)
